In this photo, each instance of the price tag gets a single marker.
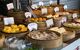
(56, 9)
(28, 14)
(75, 15)
(8, 20)
(10, 6)
(72, 46)
(51, 2)
(41, 3)
(65, 6)
(49, 23)
(44, 10)
(64, 19)
(34, 6)
(32, 26)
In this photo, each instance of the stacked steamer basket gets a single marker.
(18, 15)
(67, 34)
(57, 19)
(37, 11)
(50, 10)
(39, 20)
(42, 26)
(45, 42)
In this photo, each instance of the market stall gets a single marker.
(44, 25)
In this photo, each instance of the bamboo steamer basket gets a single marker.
(50, 10)
(55, 43)
(68, 35)
(37, 12)
(73, 11)
(69, 18)
(16, 34)
(57, 22)
(71, 29)
(42, 26)
(18, 15)
(78, 31)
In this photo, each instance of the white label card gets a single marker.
(44, 10)
(64, 19)
(65, 6)
(51, 2)
(75, 15)
(34, 6)
(56, 9)
(10, 6)
(32, 26)
(8, 20)
(28, 14)
(49, 23)
(41, 3)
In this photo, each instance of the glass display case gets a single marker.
(39, 25)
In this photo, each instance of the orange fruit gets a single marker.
(44, 19)
(36, 19)
(32, 19)
(40, 19)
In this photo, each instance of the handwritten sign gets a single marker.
(49, 23)
(34, 6)
(10, 6)
(32, 26)
(8, 20)
(28, 14)
(51, 2)
(44, 10)
(41, 3)
(56, 9)
(65, 6)
(75, 15)
(64, 19)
